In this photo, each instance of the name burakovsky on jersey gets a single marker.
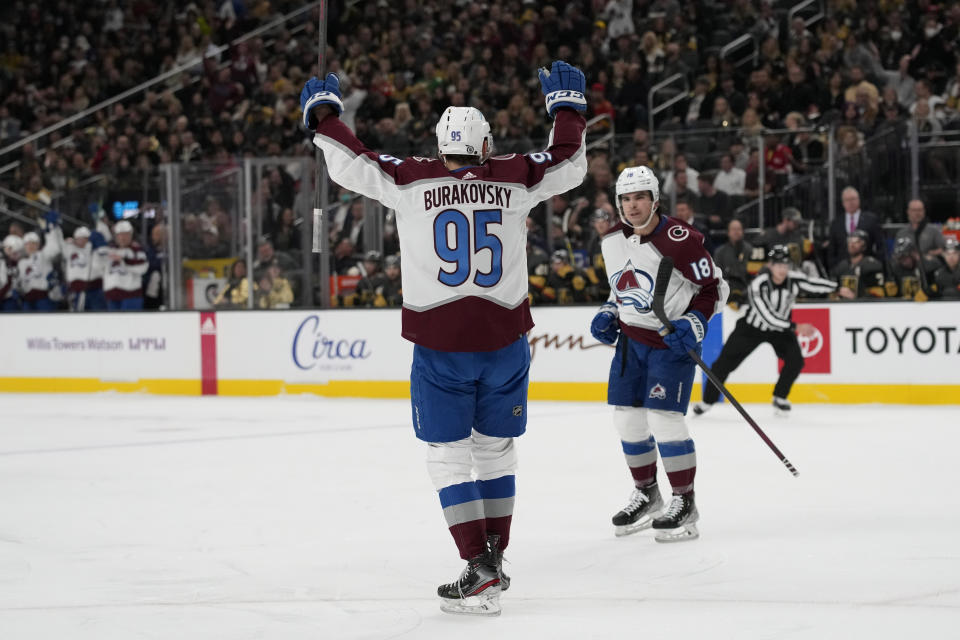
(451, 194)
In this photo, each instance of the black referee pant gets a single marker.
(742, 342)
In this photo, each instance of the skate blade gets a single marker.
(485, 604)
(626, 529)
(680, 534)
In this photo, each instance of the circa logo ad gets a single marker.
(314, 349)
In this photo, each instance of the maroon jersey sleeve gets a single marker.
(137, 255)
(684, 244)
(557, 169)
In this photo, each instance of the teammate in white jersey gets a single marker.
(35, 270)
(83, 269)
(461, 218)
(9, 294)
(651, 376)
(125, 262)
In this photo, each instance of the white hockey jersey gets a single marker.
(632, 261)
(123, 271)
(462, 233)
(8, 282)
(83, 267)
(5, 284)
(34, 272)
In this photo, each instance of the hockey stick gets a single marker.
(320, 238)
(319, 166)
(664, 272)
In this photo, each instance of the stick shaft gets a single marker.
(743, 412)
(321, 72)
(663, 277)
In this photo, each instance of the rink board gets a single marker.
(861, 352)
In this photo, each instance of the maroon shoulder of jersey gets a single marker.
(530, 168)
(684, 244)
(620, 228)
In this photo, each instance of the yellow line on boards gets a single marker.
(553, 391)
(157, 386)
(333, 388)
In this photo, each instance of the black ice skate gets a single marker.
(477, 591)
(678, 522)
(638, 515)
(781, 406)
(493, 544)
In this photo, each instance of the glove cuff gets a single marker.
(565, 98)
(611, 308)
(321, 97)
(697, 324)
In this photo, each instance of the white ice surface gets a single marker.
(132, 516)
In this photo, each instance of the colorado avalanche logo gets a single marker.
(634, 287)
(678, 234)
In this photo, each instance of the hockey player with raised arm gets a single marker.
(651, 376)
(461, 219)
(35, 270)
(83, 268)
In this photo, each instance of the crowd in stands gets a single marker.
(867, 68)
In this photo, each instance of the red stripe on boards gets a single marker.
(208, 353)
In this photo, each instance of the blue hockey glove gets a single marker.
(316, 92)
(563, 86)
(688, 332)
(97, 240)
(604, 326)
(52, 219)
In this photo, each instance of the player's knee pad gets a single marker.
(493, 457)
(631, 423)
(668, 426)
(449, 463)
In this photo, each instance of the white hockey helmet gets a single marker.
(633, 180)
(81, 232)
(462, 131)
(122, 227)
(30, 236)
(13, 244)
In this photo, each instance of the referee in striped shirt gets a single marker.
(770, 297)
